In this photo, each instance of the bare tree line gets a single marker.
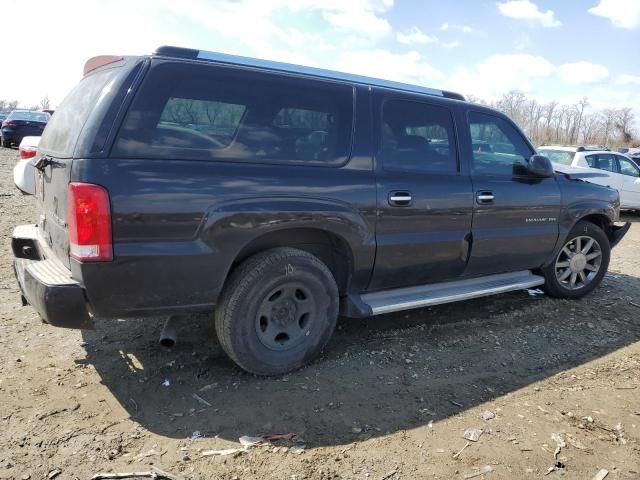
(8, 105)
(555, 123)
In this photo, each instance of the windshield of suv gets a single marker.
(558, 156)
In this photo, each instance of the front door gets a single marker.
(424, 199)
(629, 183)
(515, 217)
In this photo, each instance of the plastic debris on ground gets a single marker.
(248, 442)
(556, 437)
(472, 434)
(488, 415)
(601, 474)
(482, 471)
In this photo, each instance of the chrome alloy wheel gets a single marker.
(578, 263)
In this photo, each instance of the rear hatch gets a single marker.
(75, 131)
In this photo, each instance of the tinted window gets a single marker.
(498, 148)
(603, 161)
(558, 156)
(215, 119)
(627, 167)
(30, 116)
(417, 137)
(607, 162)
(210, 112)
(64, 127)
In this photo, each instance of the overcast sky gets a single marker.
(549, 49)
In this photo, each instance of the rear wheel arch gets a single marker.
(330, 248)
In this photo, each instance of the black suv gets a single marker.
(281, 196)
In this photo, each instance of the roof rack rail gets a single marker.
(588, 148)
(190, 53)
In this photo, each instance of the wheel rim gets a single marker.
(285, 316)
(578, 262)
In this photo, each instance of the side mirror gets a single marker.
(540, 166)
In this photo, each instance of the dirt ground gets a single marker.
(390, 399)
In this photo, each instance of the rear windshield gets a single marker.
(558, 156)
(30, 116)
(63, 130)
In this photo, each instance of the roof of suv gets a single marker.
(188, 53)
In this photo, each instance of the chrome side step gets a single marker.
(438, 293)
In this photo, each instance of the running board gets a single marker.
(438, 293)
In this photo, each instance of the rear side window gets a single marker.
(603, 162)
(201, 112)
(498, 148)
(417, 137)
(65, 126)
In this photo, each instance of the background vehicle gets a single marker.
(279, 196)
(24, 175)
(617, 170)
(3, 116)
(22, 123)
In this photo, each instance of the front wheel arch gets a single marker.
(554, 274)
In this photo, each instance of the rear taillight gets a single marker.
(89, 222)
(9, 125)
(27, 152)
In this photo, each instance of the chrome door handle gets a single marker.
(485, 197)
(400, 199)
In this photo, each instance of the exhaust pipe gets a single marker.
(169, 332)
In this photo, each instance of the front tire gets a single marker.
(581, 264)
(277, 311)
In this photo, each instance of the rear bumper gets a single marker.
(46, 284)
(618, 232)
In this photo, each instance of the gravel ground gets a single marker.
(390, 399)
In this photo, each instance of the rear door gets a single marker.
(608, 164)
(424, 199)
(515, 219)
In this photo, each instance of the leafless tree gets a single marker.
(45, 103)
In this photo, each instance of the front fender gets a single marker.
(571, 214)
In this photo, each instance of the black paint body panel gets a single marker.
(180, 226)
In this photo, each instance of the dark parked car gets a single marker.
(20, 124)
(281, 196)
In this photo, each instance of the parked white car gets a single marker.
(24, 173)
(618, 170)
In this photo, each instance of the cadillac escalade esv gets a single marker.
(280, 197)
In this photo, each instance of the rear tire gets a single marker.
(6, 143)
(580, 265)
(277, 311)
